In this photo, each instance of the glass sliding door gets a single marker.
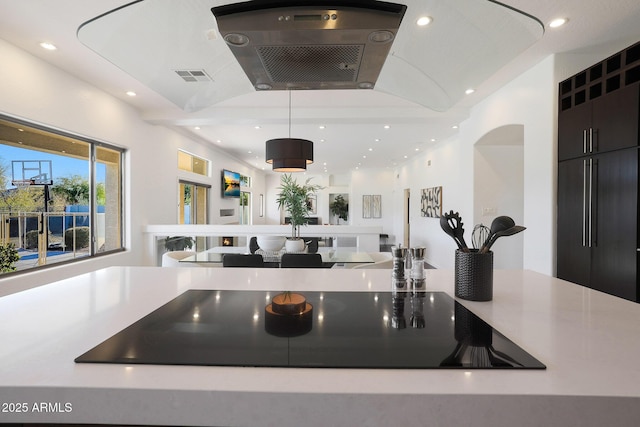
(193, 207)
(245, 208)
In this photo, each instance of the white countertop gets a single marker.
(588, 340)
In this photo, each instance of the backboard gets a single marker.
(31, 172)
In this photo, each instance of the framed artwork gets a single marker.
(372, 206)
(366, 206)
(431, 202)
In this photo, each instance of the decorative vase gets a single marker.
(270, 243)
(294, 245)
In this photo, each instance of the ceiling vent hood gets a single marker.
(283, 45)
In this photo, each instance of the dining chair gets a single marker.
(312, 245)
(242, 260)
(253, 245)
(301, 261)
(172, 258)
(380, 260)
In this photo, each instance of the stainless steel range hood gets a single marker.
(283, 45)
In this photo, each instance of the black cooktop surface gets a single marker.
(343, 330)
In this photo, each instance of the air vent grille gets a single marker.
(191, 76)
(311, 63)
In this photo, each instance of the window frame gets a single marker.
(94, 144)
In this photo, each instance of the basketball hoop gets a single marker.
(21, 184)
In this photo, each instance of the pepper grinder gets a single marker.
(417, 263)
(397, 275)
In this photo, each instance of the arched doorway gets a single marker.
(499, 188)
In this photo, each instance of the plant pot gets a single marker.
(270, 243)
(294, 245)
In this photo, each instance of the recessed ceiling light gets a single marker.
(249, 152)
(469, 91)
(48, 46)
(559, 22)
(387, 126)
(406, 157)
(321, 126)
(417, 149)
(454, 127)
(377, 140)
(257, 127)
(424, 20)
(197, 128)
(364, 157)
(370, 149)
(131, 93)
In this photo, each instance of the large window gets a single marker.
(60, 196)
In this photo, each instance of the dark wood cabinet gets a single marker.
(598, 222)
(600, 125)
(615, 223)
(598, 138)
(573, 252)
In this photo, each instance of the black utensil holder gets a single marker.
(474, 275)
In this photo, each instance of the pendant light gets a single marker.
(289, 154)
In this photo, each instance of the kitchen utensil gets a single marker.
(480, 235)
(498, 224)
(452, 224)
(508, 232)
(444, 223)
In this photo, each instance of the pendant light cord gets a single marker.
(289, 113)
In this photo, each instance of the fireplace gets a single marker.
(228, 241)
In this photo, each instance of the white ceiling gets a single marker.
(353, 120)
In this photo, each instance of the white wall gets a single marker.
(33, 90)
(529, 101)
(499, 190)
(374, 182)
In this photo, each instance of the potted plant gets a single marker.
(8, 257)
(340, 208)
(293, 197)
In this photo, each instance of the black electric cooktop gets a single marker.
(426, 330)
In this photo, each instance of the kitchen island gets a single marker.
(587, 340)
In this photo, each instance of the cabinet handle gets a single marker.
(590, 202)
(584, 141)
(584, 202)
(590, 140)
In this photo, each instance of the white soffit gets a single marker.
(468, 41)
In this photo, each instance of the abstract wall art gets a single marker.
(431, 202)
(372, 206)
